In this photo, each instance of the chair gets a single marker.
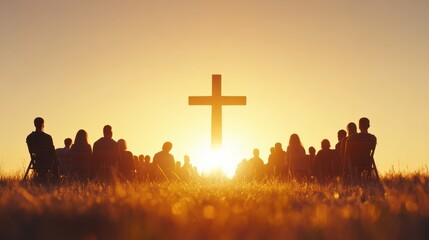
(360, 162)
(39, 168)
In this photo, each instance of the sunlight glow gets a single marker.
(224, 159)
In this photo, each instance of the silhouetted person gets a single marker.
(311, 158)
(364, 135)
(64, 158)
(279, 160)
(296, 158)
(256, 166)
(164, 162)
(324, 162)
(140, 168)
(81, 153)
(42, 152)
(351, 130)
(135, 164)
(106, 155)
(363, 157)
(149, 168)
(270, 166)
(179, 174)
(342, 134)
(126, 161)
(242, 170)
(187, 169)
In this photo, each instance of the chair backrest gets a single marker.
(37, 153)
(360, 154)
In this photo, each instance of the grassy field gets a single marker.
(216, 209)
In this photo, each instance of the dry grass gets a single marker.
(216, 209)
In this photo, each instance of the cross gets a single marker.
(216, 100)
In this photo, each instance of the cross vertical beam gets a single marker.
(217, 101)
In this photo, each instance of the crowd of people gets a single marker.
(351, 159)
(108, 159)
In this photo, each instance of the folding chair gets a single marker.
(35, 152)
(360, 161)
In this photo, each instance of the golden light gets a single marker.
(224, 159)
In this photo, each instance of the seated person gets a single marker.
(360, 147)
(126, 161)
(324, 161)
(63, 157)
(164, 163)
(106, 155)
(42, 151)
(81, 154)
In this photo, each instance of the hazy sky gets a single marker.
(306, 67)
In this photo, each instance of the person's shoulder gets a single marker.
(352, 137)
(367, 137)
(99, 141)
(30, 136)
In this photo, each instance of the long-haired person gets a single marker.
(81, 156)
(296, 159)
(126, 161)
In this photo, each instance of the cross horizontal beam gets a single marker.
(223, 100)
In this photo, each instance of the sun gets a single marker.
(224, 159)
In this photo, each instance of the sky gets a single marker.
(306, 66)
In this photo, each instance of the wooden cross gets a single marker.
(216, 100)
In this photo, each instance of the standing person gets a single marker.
(81, 154)
(106, 155)
(64, 158)
(163, 162)
(126, 162)
(42, 151)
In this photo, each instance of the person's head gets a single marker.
(364, 124)
(167, 146)
(278, 147)
(122, 145)
(107, 131)
(272, 149)
(186, 159)
(351, 128)
(141, 158)
(81, 137)
(341, 134)
(325, 144)
(67, 142)
(294, 141)
(39, 123)
(312, 151)
(178, 164)
(256, 152)
(147, 159)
